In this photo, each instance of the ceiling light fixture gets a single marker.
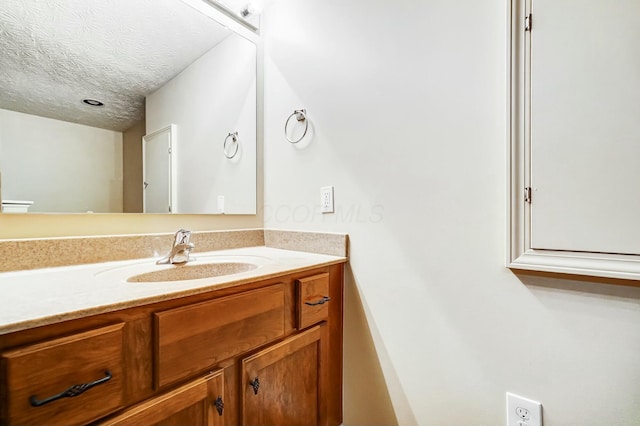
(93, 102)
(248, 10)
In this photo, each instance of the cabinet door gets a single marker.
(198, 403)
(573, 106)
(283, 384)
(585, 87)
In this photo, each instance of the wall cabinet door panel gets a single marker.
(585, 138)
(574, 88)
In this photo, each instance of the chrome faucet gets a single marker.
(179, 253)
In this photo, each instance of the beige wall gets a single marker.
(61, 225)
(132, 168)
(60, 166)
(407, 102)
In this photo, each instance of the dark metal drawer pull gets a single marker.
(322, 301)
(255, 384)
(219, 405)
(74, 390)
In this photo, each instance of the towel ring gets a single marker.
(234, 139)
(300, 115)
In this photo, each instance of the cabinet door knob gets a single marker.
(74, 390)
(219, 405)
(255, 384)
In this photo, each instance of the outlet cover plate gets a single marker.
(326, 199)
(523, 411)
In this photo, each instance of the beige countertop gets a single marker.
(37, 297)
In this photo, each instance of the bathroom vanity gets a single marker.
(262, 346)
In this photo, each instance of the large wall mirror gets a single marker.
(84, 82)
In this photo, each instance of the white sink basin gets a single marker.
(193, 272)
(201, 268)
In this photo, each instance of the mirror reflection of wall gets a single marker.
(69, 157)
(60, 166)
(213, 97)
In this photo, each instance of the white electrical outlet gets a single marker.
(523, 411)
(326, 199)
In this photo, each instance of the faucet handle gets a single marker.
(180, 250)
(182, 237)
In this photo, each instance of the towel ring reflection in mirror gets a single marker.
(301, 116)
(234, 142)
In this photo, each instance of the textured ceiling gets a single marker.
(54, 53)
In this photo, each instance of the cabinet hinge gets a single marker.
(169, 151)
(527, 195)
(527, 22)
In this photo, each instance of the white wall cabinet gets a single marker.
(574, 132)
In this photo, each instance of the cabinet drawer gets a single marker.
(312, 299)
(37, 373)
(193, 338)
(197, 403)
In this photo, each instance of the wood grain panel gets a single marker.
(190, 404)
(333, 394)
(312, 299)
(291, 383)
(49, 368)
(193, 338)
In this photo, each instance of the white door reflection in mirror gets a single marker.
(158, 170)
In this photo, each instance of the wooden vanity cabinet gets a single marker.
(192, 360)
